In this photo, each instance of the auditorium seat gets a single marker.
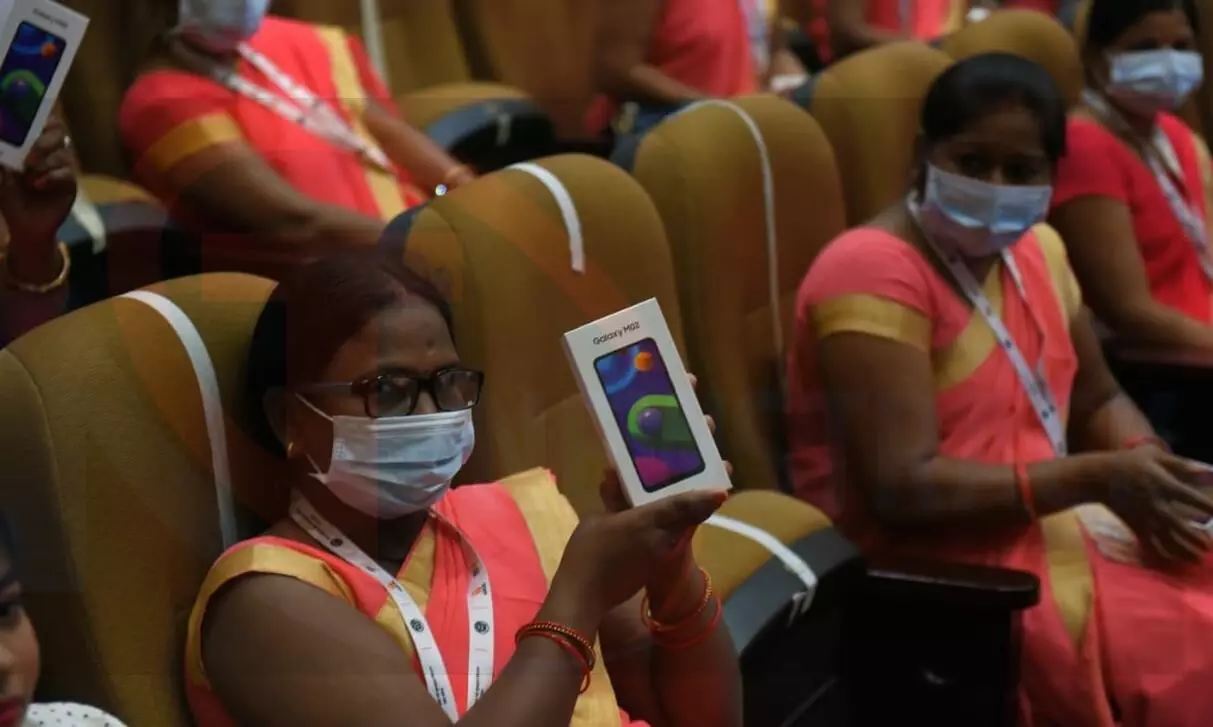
(120, 239)
(706, 171)
(868, 105)
(544, 47)
(502, 249)
(110, 483)
(1028, 34)
(485, 124)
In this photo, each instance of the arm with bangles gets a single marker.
(34, 203)
(671, 660)
(412, 150)
(279, 652)
(624, 37)
(882, 393)
(229, 184)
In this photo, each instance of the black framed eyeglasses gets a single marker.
(393, 394)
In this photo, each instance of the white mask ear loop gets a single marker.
(317, 473)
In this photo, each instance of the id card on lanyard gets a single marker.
(1164, 164)
(1031, 378)
(479, 606)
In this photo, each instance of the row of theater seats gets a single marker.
(116, 448)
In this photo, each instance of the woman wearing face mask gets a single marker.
(248, 124)
(20, 662)
(382, 598)
(1131, 197)
(946, 344)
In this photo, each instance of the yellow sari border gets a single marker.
(258, 558)
(188, 139)
(1071, 579)
(384, 186)
(873, 316)
(551, 520)
(1065, 285)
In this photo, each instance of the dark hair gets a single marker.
(1109, 19)
(314, 311)
(979, 85)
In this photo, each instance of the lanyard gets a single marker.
(303, 107)
(479, 605)
(1030, 378)
(1164, 163)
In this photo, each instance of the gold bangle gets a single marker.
(64, 256)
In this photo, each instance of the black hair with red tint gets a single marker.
(314, 311)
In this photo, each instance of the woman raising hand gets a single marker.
(384, 598)
(34, 204)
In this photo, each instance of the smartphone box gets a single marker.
(647, 414)
(40, 39)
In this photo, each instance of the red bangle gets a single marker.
(584, 646)
(564, 643)
(665, 642)
(1144, 440)
(656, 627)
(1023, 484)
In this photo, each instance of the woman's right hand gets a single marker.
(1148, 489)
(610, 557)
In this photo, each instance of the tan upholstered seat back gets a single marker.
(544, 47)
(1029, 34)
(420, 40)
(108, 479)
(704, 171)
(502, 248)
(868, 105)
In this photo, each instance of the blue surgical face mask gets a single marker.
(394, 466)
(1150, 81)
(220, 25)
(974, 218)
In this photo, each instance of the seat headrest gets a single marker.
(501, 249)
(709, 171)
(110, 483)
(1030, 34)
(869, 106)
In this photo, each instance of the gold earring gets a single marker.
(290, 450)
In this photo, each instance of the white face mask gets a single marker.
(974, 218)
(220, 25)
(1150, 81)
(395, 466)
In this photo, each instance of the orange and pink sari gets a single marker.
(519, 528)
(1110, 644)
(169, 116)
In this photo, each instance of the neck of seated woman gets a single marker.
(898, 220)
(388, 542)
(181, 53)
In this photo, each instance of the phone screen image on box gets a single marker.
(25, 74)
(649, 416)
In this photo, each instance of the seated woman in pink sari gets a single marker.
(951, 402)
(274, 137)
(383, 598)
